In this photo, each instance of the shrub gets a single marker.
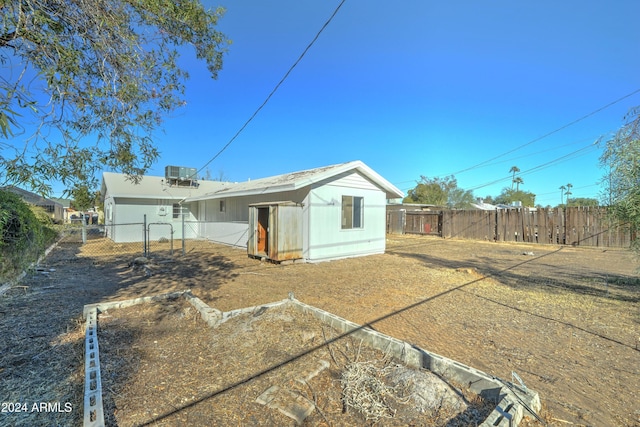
(25, 232)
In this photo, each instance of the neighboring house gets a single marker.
(392, 207)
(52, 207)
(480, 204)
(318, 214)
(68, 210)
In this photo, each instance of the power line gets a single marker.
(488, 162)
(577, 153)
(514, 158)
(255, 113)
(557, 147)
(548, 133)
(580, 152)
(573, 189)
(575, 193)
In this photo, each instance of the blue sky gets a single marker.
(415, 88)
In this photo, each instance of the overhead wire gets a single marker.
(577, 153)
(573, 188)
(488, 161)
(549, 133)
(512, 158)
(552, 195)
(277, 86)
(481, 164)
(557, 147)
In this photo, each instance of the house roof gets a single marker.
(153, 187)
(296, 180)
(484, 206)
(30, 197)
(66, 203)
(489, 207)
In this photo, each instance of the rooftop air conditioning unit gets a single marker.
(180, 173)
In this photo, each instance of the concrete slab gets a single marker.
(308, 376)
(291, 404)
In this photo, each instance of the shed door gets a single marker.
(263, 229)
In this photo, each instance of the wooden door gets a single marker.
(263, 227)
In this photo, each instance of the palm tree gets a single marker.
(562, 188)
(514, 170)
(518, 181)
(567, 194)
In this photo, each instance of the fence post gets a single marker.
(84, 229)
(183, 242)
(403, 214)
(144, 236)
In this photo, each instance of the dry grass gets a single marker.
(41, 360)
(162, 364)
(566, 320)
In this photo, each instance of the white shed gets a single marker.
(342, 211)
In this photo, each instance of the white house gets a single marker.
(155, 203)
(318, 214)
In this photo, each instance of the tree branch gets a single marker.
(6, 38)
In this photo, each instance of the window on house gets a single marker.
(352, 212)
(176, 210)
(223, 207)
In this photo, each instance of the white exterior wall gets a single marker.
(124, 219)
(325, 237)
(322, 235)
(231, 227)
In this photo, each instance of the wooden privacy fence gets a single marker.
(585, 226)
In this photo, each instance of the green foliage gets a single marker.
(622, 158)
(517, 181)
(509, 195)
(583, 201)
(25, 231)
(440, 192)
(83, 198)
(109, 72)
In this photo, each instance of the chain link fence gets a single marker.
(96, 240)
(138, 239)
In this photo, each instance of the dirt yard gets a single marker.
(162, 365)
(566, 320)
